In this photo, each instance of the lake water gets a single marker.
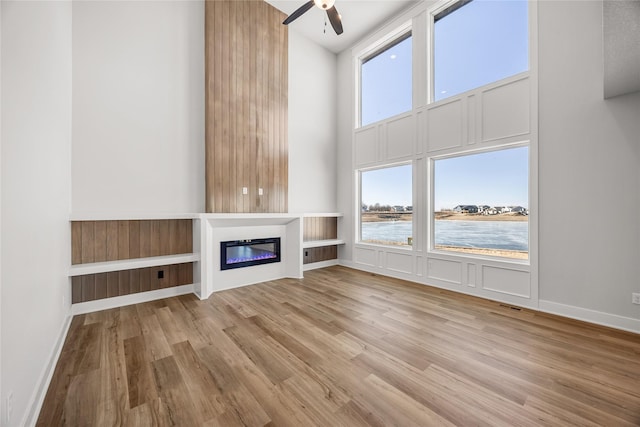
(509, 235)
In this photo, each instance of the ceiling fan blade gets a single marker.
(298, 12)
(336, 21)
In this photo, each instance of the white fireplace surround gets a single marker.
(211, 229)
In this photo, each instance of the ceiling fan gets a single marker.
(328, 5)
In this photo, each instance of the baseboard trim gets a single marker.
(319, 264)
(31, 417)
(628, 324)
(572, 312)
(124, 300)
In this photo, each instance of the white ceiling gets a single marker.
(359, 17)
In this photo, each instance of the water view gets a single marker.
(499, 235)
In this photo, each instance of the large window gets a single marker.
(386, 86)
(386, 215)
(481, 203)
(478, 42)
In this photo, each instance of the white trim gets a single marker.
(592, 316)
(114, 216)
(124, 300)
(322, 215)
(321, 243)
(37, 399)
(320, 264)
(131, 264)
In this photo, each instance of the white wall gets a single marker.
(36, 194)
(589, 168)
(138, 107)
(312, 126)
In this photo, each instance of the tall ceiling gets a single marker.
(359, 17)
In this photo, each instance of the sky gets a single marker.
(495, 178)
(387, 186)
(493, 45)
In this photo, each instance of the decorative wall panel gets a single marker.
(246, 72)
(98, 241)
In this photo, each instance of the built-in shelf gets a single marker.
(130, 264)
(321, 243)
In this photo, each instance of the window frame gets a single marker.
(392, 38)
(451, 6)
(358, 199)
(430, 187)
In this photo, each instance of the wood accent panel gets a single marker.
(324, 253)
(320, 228)
(246, 71)
(125, 282)
(96, 241)
(340, 348)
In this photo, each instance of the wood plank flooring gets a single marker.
(341, 348)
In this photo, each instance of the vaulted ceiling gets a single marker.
(359, 17)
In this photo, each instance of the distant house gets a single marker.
(483, 208)
(466, 209)
(408, 208)
(398, 208)
(518, 209)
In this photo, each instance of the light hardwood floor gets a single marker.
(341, 348)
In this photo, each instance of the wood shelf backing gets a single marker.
(100, 241)
(91, 287)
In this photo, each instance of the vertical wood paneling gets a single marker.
(112, 240)
(117, 283)
(97, 241)
(145, 239)
(76, 242)
(324, 253)
(88, 254)
(320, 228)
(123, 239)
(134, 239)
(100, 236)
(246, 49)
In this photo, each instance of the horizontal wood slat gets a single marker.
(98, 241)
(324, 253)
(92, 287)
(320, 228)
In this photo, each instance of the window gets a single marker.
(386, 215)
(481, 203)
(386, 81)
(478, 42)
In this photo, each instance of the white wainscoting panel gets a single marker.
(366, 146)
(365, 256)
(472, 121)
(400, 140)
(506, 110)
(445, 126)
(418, 266)
(506, 281)
(471, 275)
(399, 262)
(447, 271)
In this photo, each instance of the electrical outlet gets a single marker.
(635, 297)
(245, 191)
(260, 192)
(160, 274)
(9, 406)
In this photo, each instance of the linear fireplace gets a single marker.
(245, 253)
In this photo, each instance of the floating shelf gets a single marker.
(130, 264)
(321, 243)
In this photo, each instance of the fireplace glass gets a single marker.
(246, 253)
